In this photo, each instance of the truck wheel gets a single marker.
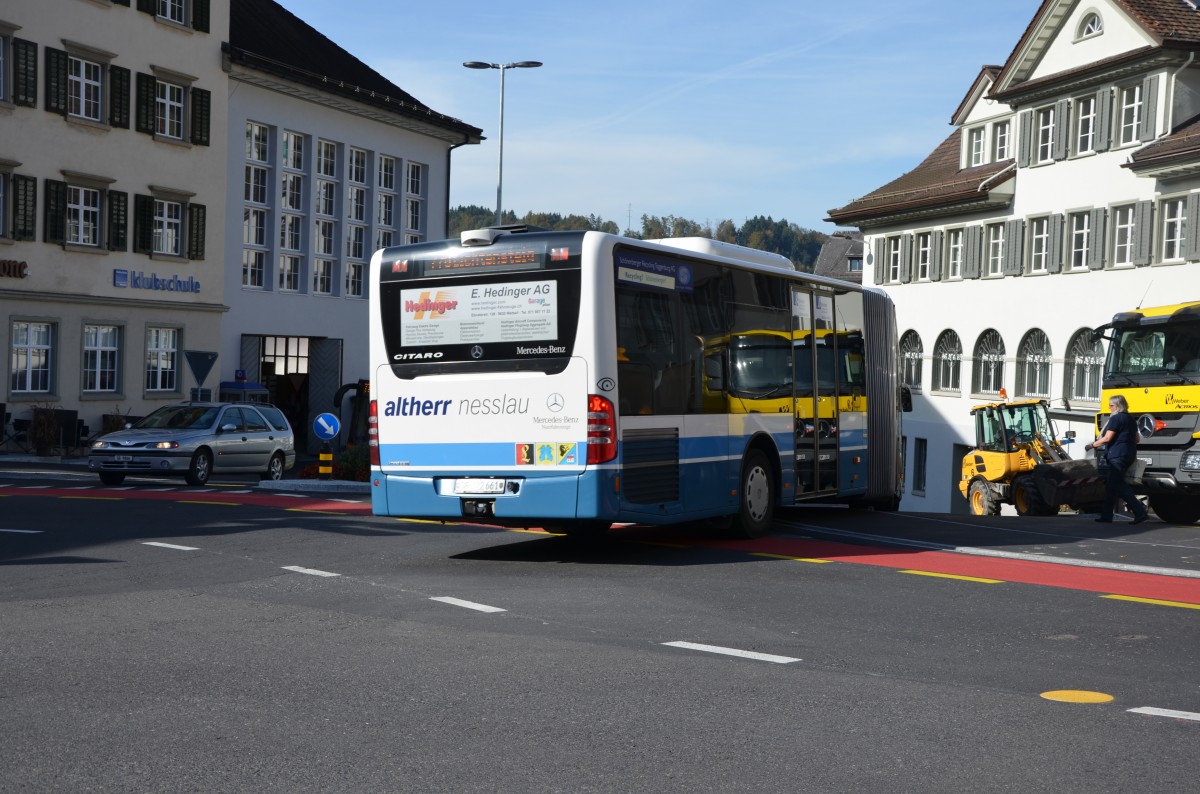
(1176, 509)
(982, 500)
(1027, 498)
(756, 498)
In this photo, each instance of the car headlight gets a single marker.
(1190, 461)
(166, 445)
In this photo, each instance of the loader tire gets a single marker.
(1028, 500)
(982, 499)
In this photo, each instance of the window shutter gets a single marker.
(197, 217)
(201, 116)
(1191, 245)
(1149, 124)
(143, 224)
(147, 6)
(1014, 247)
(1026, 139)
(144, 120)
(200, 15)
(1054, 262)
(880, 253)
(972, 267)
(935, 256)
(1096, 242)
(54, 218)
(1103, 120)
(118, 220)
(118, 97)
(1062, 130)
(1143, 232)
(25, 76)
(56, 81)
(906, 257)
(24, 215)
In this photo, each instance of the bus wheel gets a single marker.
(1176, 509)
(756, 498)
(983, 502)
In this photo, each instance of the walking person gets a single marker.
(1119, 440)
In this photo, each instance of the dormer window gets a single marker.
(1092, 25)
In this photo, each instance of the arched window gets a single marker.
(947, 362)
(1084, 366)
(1091, 25)
(1033, 365)
(987, 363)
(910, 358)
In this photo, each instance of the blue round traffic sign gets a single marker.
(326, 426)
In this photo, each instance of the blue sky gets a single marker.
(785, 108)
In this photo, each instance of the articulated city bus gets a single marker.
(572, 380)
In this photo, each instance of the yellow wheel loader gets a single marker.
(1018, 460)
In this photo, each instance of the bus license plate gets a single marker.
(478, 486)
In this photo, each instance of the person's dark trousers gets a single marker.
(1115, 488)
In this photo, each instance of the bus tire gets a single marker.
(756, 497)
(1176, 509)
(982, 499)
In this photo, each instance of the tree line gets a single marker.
(763, 233)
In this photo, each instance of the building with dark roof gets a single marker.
(1067, 191)
(841, 257)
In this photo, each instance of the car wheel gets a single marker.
(200, 468)
(111, 478)
(274, 468)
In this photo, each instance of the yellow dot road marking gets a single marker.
(1160, 603)
(954, 576)
(1077, 696)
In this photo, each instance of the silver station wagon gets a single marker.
(197, 440)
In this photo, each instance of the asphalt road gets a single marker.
(162, 638)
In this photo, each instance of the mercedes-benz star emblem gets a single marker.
(1145, 425)
(476, 352)
(555, 402)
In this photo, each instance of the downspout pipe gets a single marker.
(1171, 93)
(1002, 172)
(450, 151)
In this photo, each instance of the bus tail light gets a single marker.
(601, 429)
(373, 432)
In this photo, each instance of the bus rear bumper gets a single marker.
(569, 496)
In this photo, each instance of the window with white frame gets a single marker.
(1085, 124)
(988, 364)
(922, 255)
(356, 241)
(1130, 110)
(1033, 365)
(289, 273)
(894, 253)
(995, 249)
(911, 352)
(173, 10)
(85, 89)
(954, 253)
(291, 151)
(324, 242)
(386, 200)
(291, 196)
(354, 279)
(322, 277)
(168, 228)
(1090, 25)
(327, 159)
(947, 362)
(256, 184)
(357, 167)
(383, 238)
(254, 268)
(326, 197)
(975, 141)
(1044, 135)
(162, 359)
(257, 142)
(32, 356)
(168, 110)
(254, 227)
(854, 264)
(414, 220)
(1122, 242)
(83, 216)
(1039, 244)
(356, 204)
(1001, 147)
(289, 232)
(1080, 240)
(1174, 228)
(1084, 368)
(255, 216)
(101, 353)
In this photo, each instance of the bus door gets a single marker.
(813, 429)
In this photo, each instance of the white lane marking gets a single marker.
(762, 657)
(169, 546)
(1179, 715)
(458, 602)
(309, 571)
(23, 531)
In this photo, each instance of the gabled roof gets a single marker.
(834, 259)
(937, 182)
(1178, 154)
(979, 89)
(266, 37)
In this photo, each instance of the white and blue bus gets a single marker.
(573, 380)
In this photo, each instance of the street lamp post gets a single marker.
(500, 166)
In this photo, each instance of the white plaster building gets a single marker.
(1068, 191)
(112, 192)
(328, 162)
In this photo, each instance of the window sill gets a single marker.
(178, 259)
(77, 248)
(944, 393)
(98, 396)
(90, 124)
(167, 139)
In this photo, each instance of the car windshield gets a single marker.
(181, 417)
